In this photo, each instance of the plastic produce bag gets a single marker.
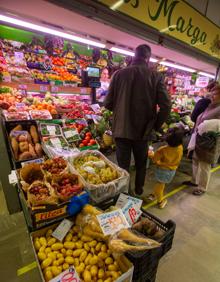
(102, 189)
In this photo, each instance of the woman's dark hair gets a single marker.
(174, 136)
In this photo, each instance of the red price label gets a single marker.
(132, 213)
(69, 277)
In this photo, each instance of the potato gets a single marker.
(87, 276)
(55, 270)
(86, 238)
(101, 273)
(77, 253)
(55, 263)
(57, 246)
(104, 248)
(47, 250)
(51, 241)
(69, 260)
(37, 245)
(38, 149)
(34, 135)
(42, 249)
(76, 262)
(32, 151)
(88, 259)
(69, 252)
(69, 245)
(68, 237)
(108, 280)
(60, 261)
(76, 229)
(112, 267)
(109, 260)
(102, 255)
(23, 147)
(94, 270)
(74, 239)
(52, 256)
(79, 244)
(43, 241)
(92, 243)
(83, 256)
(45, 263)
(63, 251)
(22, 138)
(65, 266)
(80, 268)
(48, 275)
(60, 255)
(24, 156)
(86, 247)
(41, 256)
(98, 247)
(94, 260)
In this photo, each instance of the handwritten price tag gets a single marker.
(112, 222)
(124, 199)
(69, 275)
(62, 229)
(131, 212)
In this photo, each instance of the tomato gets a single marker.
(92, 141)
(85, 142)
(81, 145)
(87, 138)
(88, 134)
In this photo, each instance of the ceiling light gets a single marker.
(129, 53)
(168, 64)
(153, 60)
(50, 31)
(122, 51)
(206, 74)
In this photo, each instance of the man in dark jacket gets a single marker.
(134, 94)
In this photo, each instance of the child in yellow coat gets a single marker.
(167, 159)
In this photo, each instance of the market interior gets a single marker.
(52, 70)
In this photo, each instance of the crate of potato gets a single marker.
(24, 141)
(92, 259)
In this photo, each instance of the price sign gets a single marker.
(51, 129)
(112, 222)
(123, 199)
(43, 88)
(37, 161)
(69, 275)
(19, 58)
(96, 108)
(54, 89)
(20, 106)
(62, 229)
(12, 177)
(202, 81)
(83, 90)
(131, 212)
(56, 142)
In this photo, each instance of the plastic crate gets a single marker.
(146, 263)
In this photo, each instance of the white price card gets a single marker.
(131, 212)
(56, 142)
(51, 129)
(123, 199)
(69, 275)
(96, 108)
(62, 229)
(12, 177)
(112, 222)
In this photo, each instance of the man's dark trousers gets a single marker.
(124, 148)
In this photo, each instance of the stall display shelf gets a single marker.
(33, 87)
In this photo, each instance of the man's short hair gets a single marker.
(143, 51)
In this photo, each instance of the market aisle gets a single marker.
(195, 255)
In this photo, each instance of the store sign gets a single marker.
(202, 81)
(50, 214)
(175, 18)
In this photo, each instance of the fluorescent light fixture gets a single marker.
(168, 64)
(206, 74)
(129, 53)
(55, 32)
(153, 60)
(122, 51)
(117, 5)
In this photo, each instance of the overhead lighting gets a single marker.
(168, 64)
(50, 31)
(129, 53)
(206, 74)
(122, 51)
(153, 60)
(117, 5)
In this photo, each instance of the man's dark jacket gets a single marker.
(133, 96)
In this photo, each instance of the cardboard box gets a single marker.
(125, 265)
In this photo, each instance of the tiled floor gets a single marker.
(195, 256)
